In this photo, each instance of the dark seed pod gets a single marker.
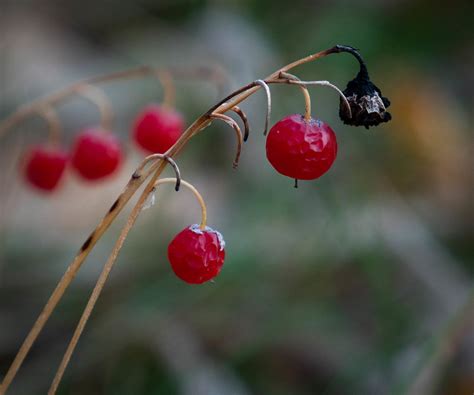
(368, 106)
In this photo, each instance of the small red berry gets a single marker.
(96, 154)
(197, 255)
(157, 128)
(301, 149)
(45, 166)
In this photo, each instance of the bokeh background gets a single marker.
(357, 283)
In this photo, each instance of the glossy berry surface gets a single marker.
(157, 128)
(301, 149)
(196, 255)
(96, 154)
(45, 167)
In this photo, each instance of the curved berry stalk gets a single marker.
(98, 97)
(229, 121)
(150, 170)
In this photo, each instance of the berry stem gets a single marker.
(169, 90)
(363, 73)
(196, 193)
(238, 133)
(100, 99)
(322, 83)
(244, 119)
(304, 89)
(101, 282)
(50, 115)
(264, 85)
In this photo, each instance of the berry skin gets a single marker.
(157, 128)
(301, 149)
(45, 167)
(96, 154)
(196, 255)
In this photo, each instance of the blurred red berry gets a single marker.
(157, 128)
(96, 154)
(197, 255)
(45, 166)
(301, 149)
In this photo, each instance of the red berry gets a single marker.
(197, 255)
(96, 154)
(301, 149)
(157, 128)
(45, 166)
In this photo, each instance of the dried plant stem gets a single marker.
(169, 90)
(69, 275)
(229, 121)
(108, 267)
(244, 119)
(156, 168)
(195, 192)
(101, 281)
(328, 84)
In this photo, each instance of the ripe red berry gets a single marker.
(197, 255)
(45, 166)
(96, 154)
(301, 149)
(157, 128)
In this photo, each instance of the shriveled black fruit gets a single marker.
(368, 106)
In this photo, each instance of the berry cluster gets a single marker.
(97, 153)
(297, 146)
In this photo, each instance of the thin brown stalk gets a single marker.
(244, 119)
(229, 121)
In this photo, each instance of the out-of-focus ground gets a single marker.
(356, 283)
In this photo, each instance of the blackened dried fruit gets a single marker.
(368, 106)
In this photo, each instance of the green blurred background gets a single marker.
(356, 283)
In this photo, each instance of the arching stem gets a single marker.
(169, 90)
(50, 115)
(238, 134)
(244, 119)
(196, 193)
(98, 97)
(304, 89)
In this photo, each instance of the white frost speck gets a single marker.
(150, 201)
(196, 229)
